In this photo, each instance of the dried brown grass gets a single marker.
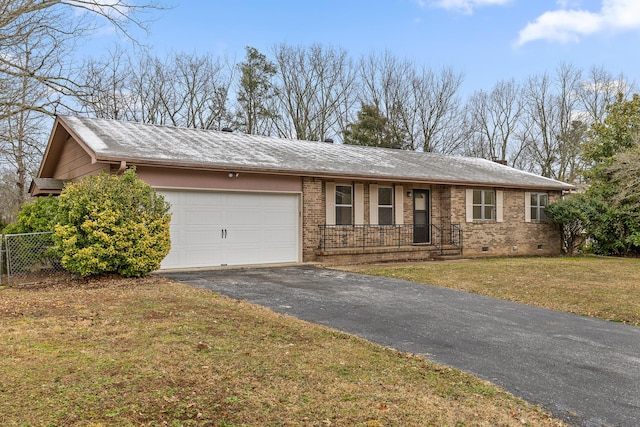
(154, 352)
(605, 288)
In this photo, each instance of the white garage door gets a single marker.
(217, 228)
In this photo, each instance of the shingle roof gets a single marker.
(137, 143)
(45, 186)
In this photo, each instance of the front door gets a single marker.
(421, 228)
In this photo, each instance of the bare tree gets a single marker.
(314, 89)
(435, 99)
(598, 90)
(107, 95)
(53, 27)
(570, 129)
(36, 72)
(152, 83)
(202, 87)
(495, 120)
(386, 84)
(24, 102)
(552, 103)
(185, 90)
(421, 106)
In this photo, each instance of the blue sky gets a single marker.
(486, 40)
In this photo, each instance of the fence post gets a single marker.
(1, 258)
(322, 244)
(8, 254)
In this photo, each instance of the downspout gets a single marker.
(122, 168)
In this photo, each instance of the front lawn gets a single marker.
(152, 352)
(605, 288)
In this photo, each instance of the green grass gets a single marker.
(152, 352)
(604, 288)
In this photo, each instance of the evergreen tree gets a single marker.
(256, 92)
(371, 129)
(614, 193)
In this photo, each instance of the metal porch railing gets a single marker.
(365, 236)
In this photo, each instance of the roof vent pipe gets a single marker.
(329, 140)
(227, 130)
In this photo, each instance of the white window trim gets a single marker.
(352, 205)
(392, 205)
(528, 206)
(498, 207)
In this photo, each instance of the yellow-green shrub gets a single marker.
(111, 224)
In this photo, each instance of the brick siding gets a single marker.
(511, 237)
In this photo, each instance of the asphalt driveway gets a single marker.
(584, 371)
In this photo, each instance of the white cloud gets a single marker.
(464, 6)
(569, 25)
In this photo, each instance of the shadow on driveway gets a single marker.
(582, 370)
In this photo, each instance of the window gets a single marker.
(385, 205)
(344, 204)
(538, 202)
(484, 203)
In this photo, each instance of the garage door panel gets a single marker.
(203, 217)
(260, 228)
(201, 237)
(241, 218)
(238, 201)
(243, 235)
(239, 255)
(279, 236)
(278, 218)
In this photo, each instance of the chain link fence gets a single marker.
(29, 258)
(3, 268)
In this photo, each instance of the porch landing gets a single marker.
(426, 252)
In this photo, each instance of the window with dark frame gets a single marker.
(538, 203)
(344, 204)
(484, 205)
(385, 205)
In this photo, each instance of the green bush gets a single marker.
(39, 215)
(36, 216)
(570, 217)
(110, 224)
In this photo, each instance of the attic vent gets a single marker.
(397, 147)
(329, 140)
(227, 130)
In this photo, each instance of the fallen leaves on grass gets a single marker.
(150, 351)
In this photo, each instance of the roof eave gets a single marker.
(320, 174)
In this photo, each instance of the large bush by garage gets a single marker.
(35, 216)
(112, 224)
